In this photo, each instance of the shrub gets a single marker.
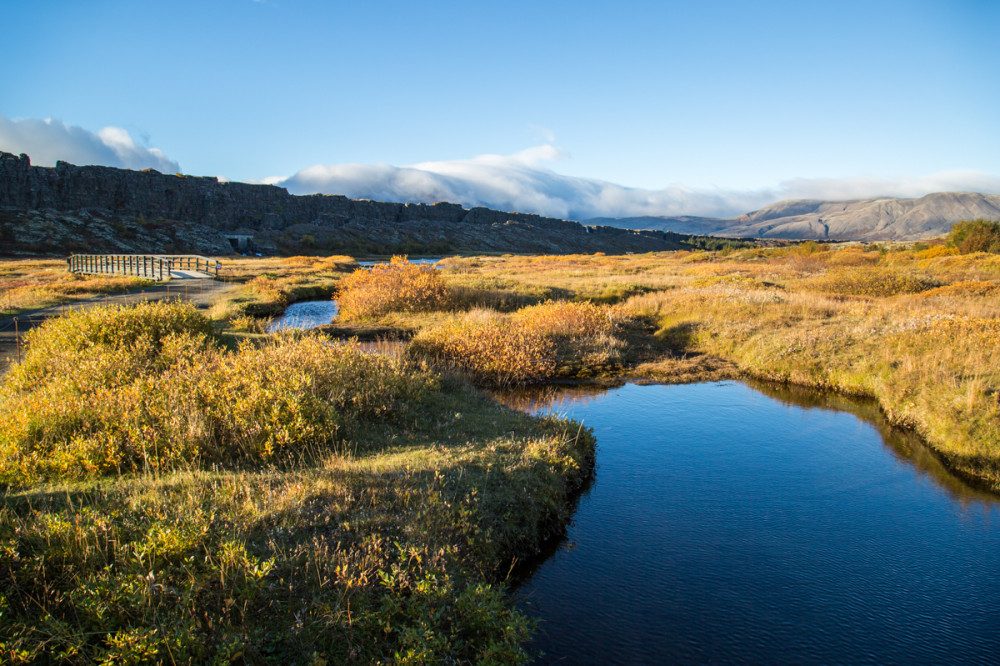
(964, 288)
(807, 248)
(489, 348)
(398, 286)
(935, 251)
(132, 334)
(162, 394)
(870, 282)
(976, 236)
(565, 319)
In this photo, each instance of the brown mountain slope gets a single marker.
(868, 219)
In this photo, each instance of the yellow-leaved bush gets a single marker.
(398, 286)
(146, 387)
(555, 338)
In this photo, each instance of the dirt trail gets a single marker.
(201, 292)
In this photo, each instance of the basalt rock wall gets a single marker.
(151, 211)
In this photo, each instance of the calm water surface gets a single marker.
(305, 314)
(727, 525)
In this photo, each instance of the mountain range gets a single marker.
(106, 209)
(884, 219)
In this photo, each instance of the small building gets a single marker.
(241, 240)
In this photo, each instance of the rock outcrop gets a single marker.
(104, 209)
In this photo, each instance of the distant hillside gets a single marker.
(868, 219)
(72, 208)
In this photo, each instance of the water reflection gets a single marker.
(762, 524)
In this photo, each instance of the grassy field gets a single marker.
(29, 284)
(169, 498)
(914, 326)
(178, 495)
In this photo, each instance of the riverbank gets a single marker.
(915, 327)
(252, 509)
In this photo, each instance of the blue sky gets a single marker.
(586, 107)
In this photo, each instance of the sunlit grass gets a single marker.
(294, 500)
(39, 283)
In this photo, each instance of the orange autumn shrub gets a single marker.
(398, 286)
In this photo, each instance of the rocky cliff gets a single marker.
(104, 209)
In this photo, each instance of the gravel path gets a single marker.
(201, 292)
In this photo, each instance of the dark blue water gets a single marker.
(725, 525)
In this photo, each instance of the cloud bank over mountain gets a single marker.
(523, 181)
(46, 141)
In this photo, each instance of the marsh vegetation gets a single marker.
(182, 483)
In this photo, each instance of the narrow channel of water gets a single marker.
(305, 315)
(729, 525)
(368, 263)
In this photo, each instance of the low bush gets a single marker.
(398, 286)
(873, 282)
(490, 348)
(565, 319)
(538, 342)
(964, 288)
(144, 387)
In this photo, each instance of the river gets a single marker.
(730, 523)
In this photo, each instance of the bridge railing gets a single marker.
(152, 266)
(193, 262)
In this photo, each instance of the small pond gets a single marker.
(305, 315)
(730, 523)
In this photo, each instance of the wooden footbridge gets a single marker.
(153, 266)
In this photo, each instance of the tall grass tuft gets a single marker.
(566, 319)
(537, 342)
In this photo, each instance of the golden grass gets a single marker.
(375, 525)
(533, 344)
(32, 284)
(145, 387)
(912, 326)
(490, 348)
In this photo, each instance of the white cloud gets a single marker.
(523, 182)
(47, 141)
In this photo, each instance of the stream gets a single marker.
(737, 523)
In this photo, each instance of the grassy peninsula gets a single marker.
(915, 326)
